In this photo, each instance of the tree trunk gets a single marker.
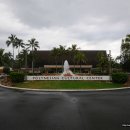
(56, 63)
(32, 61)
(18, 60)
(74, 66)
(80, 67)
(32, 68)
(13, 58)
(62, 66)
(56, 67)
(26, 60)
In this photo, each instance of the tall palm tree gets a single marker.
(19, 44)
(73, 51)
(55, 54)
(62, 53)
(80, 58)
(12, 41)
(25, 52)
(102, 61)
(33, 44)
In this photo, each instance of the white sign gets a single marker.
(68, 78)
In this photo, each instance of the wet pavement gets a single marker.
(29, 110)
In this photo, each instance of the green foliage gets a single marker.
(42, 70)
(5, 58)
(125, 53)
(102, 61)
(97, 71)
(12, 41)
(6, 70)
(17, 77)
(34, 45)
(119, 77)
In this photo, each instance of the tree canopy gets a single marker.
(125, 53)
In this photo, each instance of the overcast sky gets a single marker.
(91, 24)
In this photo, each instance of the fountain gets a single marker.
(68, 75)
(67, 71)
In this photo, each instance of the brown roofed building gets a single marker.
(45, 58)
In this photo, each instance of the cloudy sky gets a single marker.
(91, 24)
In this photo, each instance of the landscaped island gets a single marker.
(69, 82)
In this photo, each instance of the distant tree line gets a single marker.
(75, 55)
(26, 56)
(25, 50)
(125, 54)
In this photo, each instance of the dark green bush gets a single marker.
(119, 77)
(17, 77)
(6, 70)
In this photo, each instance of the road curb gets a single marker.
(62, 90)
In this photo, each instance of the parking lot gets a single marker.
(31, 110)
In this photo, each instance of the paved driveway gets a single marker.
(27, 110)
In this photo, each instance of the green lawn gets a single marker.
(67, 85)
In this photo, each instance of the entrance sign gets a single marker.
(100, 78)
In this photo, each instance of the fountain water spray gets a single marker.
(67, 71)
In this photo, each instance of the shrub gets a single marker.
(6, 70)
(17, 77)
(119, 77)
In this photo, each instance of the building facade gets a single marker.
(45, 59)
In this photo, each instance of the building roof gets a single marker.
(44, 57)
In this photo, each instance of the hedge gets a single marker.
(17, 77)
(119, 77)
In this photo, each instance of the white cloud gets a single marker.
(92, 24)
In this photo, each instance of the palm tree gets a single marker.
(19, 44)
(73, 51)
(80, 58)
(33, 44)
(55, 53)
(12, 41)
(25, 52)
(102, 61)
(62, 53)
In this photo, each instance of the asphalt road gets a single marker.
(28, 110)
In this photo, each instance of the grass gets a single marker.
(67, 85)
